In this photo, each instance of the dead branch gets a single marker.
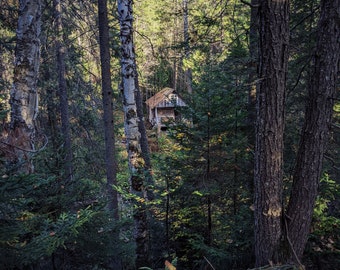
(28, 150)
(250, 4)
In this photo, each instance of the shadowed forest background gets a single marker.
(87, 183)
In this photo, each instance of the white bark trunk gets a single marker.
(132, 133)
(24, 94)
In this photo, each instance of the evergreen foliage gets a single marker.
(41, 222)
(201, 215)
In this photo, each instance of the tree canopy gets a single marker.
(239, 167)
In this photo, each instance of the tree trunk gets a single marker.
(187, 72)
(315, 133)
(273, 56)
(132, 132)
(144, 145)
(253, 55)
(24, 94)
(252, 81)
(62, 91)
(111, 166)
(107, 96)
(52, 126)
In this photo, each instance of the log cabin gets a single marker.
(162, 108)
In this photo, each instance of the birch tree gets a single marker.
(137, 163)
(24, 93)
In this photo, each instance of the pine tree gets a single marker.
(316, 130)
(268, 175)
(61, 52)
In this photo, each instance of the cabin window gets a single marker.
(173, 99)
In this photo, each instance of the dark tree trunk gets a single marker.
(187, 72)
(107, 94)
(144, 144)
(253, 55)
(273, 56)
(62, 91)
(108, 117)
(252, 81)
(315, 133)
(52, 115)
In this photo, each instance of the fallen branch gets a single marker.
(209, 263)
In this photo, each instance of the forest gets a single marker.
(169, 134)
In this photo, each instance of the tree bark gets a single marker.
(62, 91)
(108, 118)
(107, 95)
(252, 81)
(24, 93)
(53, 129)
(132, 132)
(149, 182)
(187, 72)
(253, 55)
(273, 59)
(316, 129)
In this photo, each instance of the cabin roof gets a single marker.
(153, 101)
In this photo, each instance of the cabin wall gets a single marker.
(163, 114)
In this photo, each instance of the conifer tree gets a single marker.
(107, 94)
(316, 129)
(268, 175)
(61, 52)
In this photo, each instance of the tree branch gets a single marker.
(304, 18)
(209, 263)
(149, 40)
(333, 163)
(250, 4)
(28, 150)
(335, 126)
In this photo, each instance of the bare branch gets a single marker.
(250, 4)
(149, 40)
(28, 150)
(304, 18)
(209, 263)
(335, 126)
(333, 163)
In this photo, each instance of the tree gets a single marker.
(24, 94)
(269, 215)
(316, 129)
(273, 60)
(62, 90)
(186, 42)
(107, 96)
(137, 162)
(253, 54)
(108, 108)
